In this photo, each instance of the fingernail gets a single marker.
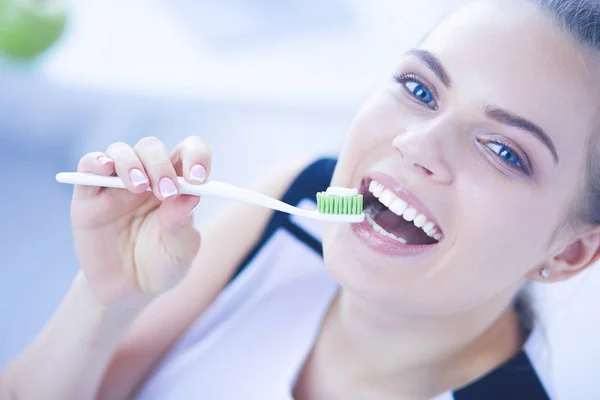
(167, 188)
(198, 173)
(137, 177)
(104, 160)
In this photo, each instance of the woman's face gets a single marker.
(483, 130)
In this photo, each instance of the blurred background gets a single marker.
(260, 80)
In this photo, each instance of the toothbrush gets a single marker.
(333, 205)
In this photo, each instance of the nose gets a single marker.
(424, 152)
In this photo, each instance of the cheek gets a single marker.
(507, 212)
(379, 120)
(369, 137)
(502, 230)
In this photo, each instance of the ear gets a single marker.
(576, 257)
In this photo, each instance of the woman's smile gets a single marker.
(396, 221)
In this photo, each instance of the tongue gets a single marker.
(402, 228)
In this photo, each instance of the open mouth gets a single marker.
(394, 217)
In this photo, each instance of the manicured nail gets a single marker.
(167, 188)
(137, 177)
(104, 160)
(198, 173)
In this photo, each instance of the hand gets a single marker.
(133, 242)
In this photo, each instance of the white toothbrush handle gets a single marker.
(211, 189)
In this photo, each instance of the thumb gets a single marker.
(179, 237)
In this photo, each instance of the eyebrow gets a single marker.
(433, 63)
(507, 118)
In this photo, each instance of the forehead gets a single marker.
(512, 55)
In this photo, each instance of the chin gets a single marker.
(416, 285)
(364, 274)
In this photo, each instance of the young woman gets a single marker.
(476, 162)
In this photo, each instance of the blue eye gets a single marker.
(417, 89)
(506, 153)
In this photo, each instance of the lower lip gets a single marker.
(385, 245)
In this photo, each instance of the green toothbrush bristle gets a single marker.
(344, 205)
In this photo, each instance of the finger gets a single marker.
(193, 159)
(178, 235)
(155, 157)
(95, 163)
(175, 212)
(128, 167)
(179, 245)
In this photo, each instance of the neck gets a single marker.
(420, 354)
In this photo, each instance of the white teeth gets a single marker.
(420, 221)
(428, 226)
(438, 236)
(410, 214)
(381, 231)
(378, 190)
(372, 186)
(400, 208)
(386, 198)
(400, 240)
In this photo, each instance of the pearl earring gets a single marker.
(544, 273)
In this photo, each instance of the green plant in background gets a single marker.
(30, 27)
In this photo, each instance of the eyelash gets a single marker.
(406, 78)
(524, 164)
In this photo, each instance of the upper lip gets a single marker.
(403, 193)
